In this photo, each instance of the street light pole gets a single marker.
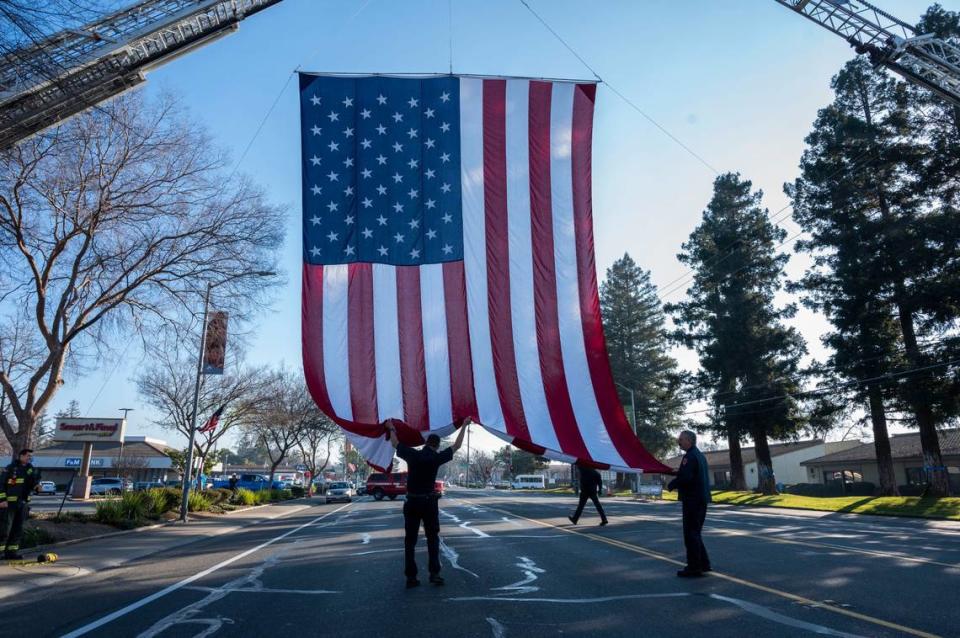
(188, 469)
(120, 458)
(188, 463)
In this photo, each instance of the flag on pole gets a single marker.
(449, 267)
(214, 420)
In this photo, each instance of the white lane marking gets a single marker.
(523, 586)
(264, 590)
(366, 539)
(499, 631)
(480, 533)
(189, 615)
(186, 581)
(376, 551)
(507, 519)
(453, 557)
(453, 518)
(748, 607)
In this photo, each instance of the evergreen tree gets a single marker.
(886, 242)
(749, 360)
(637, 342)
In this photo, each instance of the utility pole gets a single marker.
(120, 458)
(468, 456)
(633, 410)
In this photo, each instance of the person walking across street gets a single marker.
(16, 485)
(693, 485)
(421, 503)
(590, 484)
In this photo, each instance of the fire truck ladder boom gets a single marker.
(75, 69)
(922, 59)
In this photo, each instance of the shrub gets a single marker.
(297, 491)
(280, 495)
(264, 496)
(162, 500)
(126, 512)
(198, 502)
(244, 496)
(219, 495)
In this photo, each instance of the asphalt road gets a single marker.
(516, 567)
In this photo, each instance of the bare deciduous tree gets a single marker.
(319, 433)
(285, 412)
(168, 388)
(110, 226)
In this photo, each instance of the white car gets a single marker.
(45, 487)
(339, 491)
(109, 485)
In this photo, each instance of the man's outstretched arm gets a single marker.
(463, 430)
(392, 431)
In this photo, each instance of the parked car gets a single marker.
(143, 486)
(105, 485)
(339, 491)
(45, 487)
(252, 482)
(361, 489)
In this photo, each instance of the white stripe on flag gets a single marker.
(475, 252)
(336, 357)
(386, 339)
(522, 307)
(572, 345)
(433, 312)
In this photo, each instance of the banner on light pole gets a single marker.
(215, 344)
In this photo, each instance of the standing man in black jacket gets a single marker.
(693, 483)
(590, 483)
(421, 502)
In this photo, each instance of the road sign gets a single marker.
(301, 468)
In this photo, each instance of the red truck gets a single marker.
(392, 485)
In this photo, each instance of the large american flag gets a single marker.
(449, 267)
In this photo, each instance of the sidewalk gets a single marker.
(91, 555)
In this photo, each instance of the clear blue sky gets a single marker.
(738, 81)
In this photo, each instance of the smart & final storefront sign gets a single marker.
(89, 430)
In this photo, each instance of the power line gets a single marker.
(820, 390)
(629, 102)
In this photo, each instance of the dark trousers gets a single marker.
(415, 510)
(11, 525)
(694, 514)
(583, 501)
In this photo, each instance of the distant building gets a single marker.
(786, 458)
(859, 463)
(139, 458)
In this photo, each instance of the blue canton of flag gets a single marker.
(381, 170)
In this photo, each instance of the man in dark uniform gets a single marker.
(421, 503)
(590, 484)
(16, 485)
(693, 483)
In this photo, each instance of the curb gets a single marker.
(74, 541)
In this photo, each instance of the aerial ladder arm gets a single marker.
(75, 69)
(922, 59)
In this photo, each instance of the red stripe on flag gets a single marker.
(498, 256)
(463, 400)
(413, 371)
(360, 344)
(545, 276)
(616, 422)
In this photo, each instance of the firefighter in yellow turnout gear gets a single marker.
(16, 485)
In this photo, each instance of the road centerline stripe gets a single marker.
(727, 577)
